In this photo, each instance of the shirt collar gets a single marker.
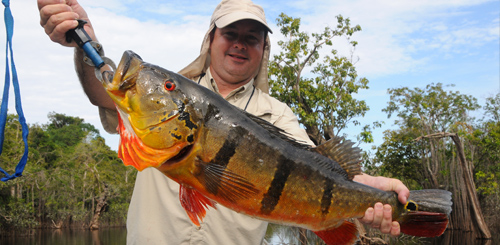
(239, 92)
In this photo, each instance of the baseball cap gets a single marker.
(230, 11)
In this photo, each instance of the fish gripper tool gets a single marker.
(82, 39)
(94, 53)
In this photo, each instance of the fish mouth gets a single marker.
(182, 155)
(124, 78)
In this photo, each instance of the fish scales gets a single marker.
(285, 175)
(279, 177)
(221, 154)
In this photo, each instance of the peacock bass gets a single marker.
(221, 154)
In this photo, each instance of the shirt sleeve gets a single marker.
(290, 124)
(109, 120)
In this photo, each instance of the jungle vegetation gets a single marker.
(72, 178)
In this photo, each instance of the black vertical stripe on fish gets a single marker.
(224, 155)
(326, 200)
(273, 194)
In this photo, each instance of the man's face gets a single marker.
(236, 51)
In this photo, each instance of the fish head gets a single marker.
(156, 117)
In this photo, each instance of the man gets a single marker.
(233, 63)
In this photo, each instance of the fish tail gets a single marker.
(426, 213)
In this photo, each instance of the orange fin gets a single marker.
(347, 233)
(225, 184)
(343, 152)
(194, 203)
(424, 224)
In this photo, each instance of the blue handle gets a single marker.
(93, 55)
(82, 38)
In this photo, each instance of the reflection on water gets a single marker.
(457, 237)
(283, 235)
(277, 235)
(69, 237)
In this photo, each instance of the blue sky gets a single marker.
(403, 43)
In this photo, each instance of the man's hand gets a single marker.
(59, 16)
(380, 216)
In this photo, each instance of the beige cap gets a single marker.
(230, 11)
(227, 12)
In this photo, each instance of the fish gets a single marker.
(222, 155)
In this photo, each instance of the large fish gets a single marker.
(221, 154)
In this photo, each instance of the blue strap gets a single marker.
(9, 26)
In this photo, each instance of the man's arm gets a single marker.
(59, 16)
(90, 84)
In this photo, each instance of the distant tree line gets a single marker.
(72, 178)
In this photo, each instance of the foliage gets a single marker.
(69, 167)
(419, 152)
(422, 112)
(323, 101)
(431, 109)
(399, 156)
(486, 139)
(492, 107)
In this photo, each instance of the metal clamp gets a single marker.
(93, 51)
(99, 74)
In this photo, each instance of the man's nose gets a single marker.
(240, 43)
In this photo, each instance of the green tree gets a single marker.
(68, 131)
(429, 111)
(492, 107)
(441, 121)
(72, 177)
(399, 157)
(486, 139)
(322, 100)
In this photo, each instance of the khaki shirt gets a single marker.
(155, 215)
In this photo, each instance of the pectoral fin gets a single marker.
(194, 203)
(225, 184)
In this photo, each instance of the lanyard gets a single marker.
(251, 95)
(9, 26)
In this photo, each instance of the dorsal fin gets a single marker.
(278, 132)
(342, 152)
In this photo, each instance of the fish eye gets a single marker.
(411, 206)
(169, 85)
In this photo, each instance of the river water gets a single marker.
(118, 236)
(102, 236)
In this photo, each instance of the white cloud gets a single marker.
(395, 32)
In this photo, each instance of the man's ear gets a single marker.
(212, 33)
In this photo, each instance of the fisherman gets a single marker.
(233, 62)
